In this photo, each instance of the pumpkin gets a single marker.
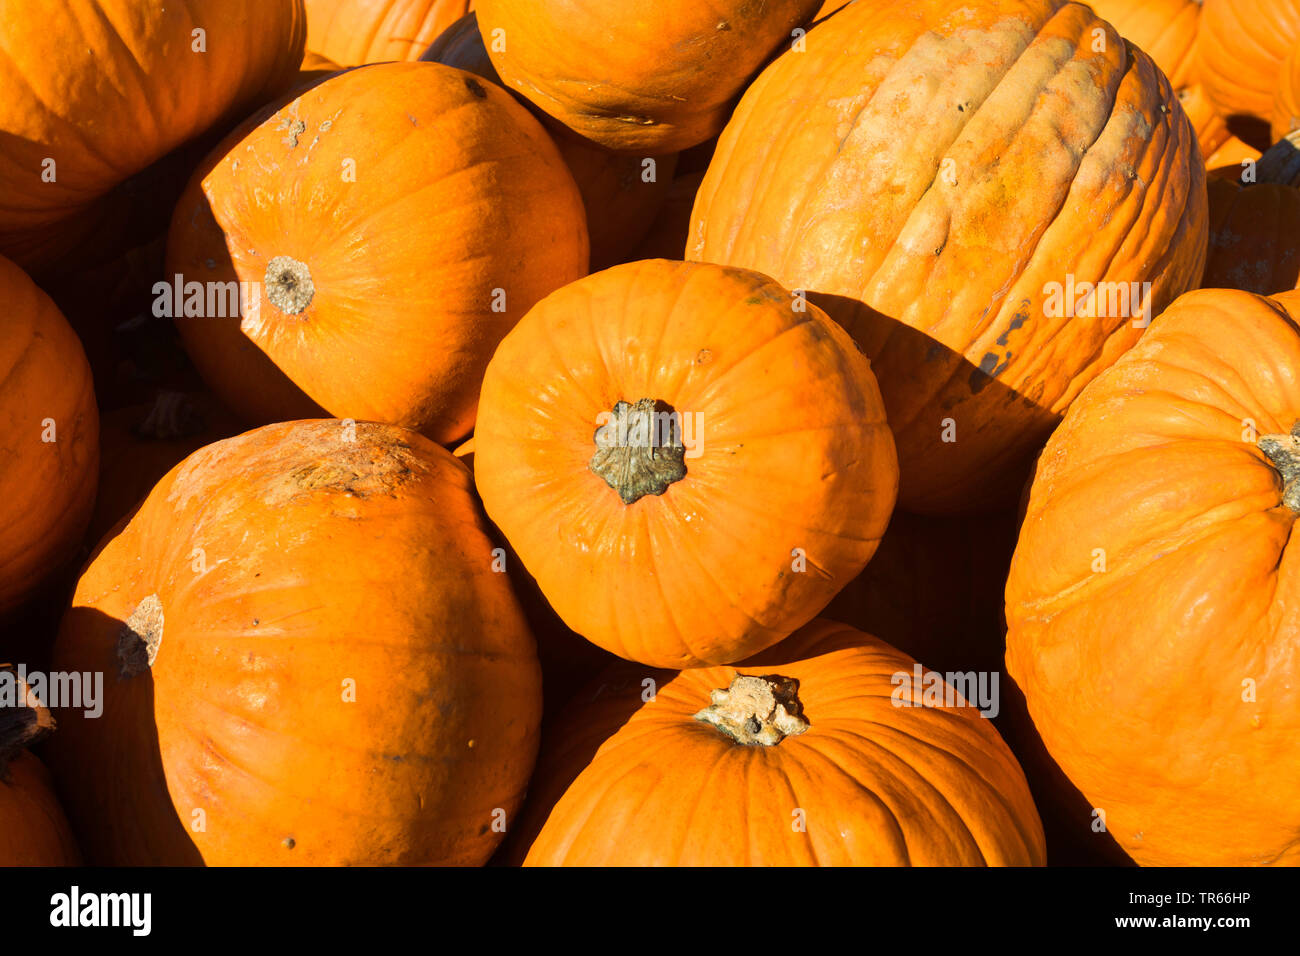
(1149, 599)
(391, 225)
(1165, 29)
(646, 77)
(355, 32)
(33, 828)
(48, 438)
(314, 69)
(1242, 46)
(1222, 148)
(669, 233)
(994, 260)
(810, 754)
(312, 662)
(688, 460)
(97, 90)
(831, 6)
(1254, 237)
(1286, 95)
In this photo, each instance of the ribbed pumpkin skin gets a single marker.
(355, 32)
(33, 828)
(1219, 146)
(1254, 237)
(1286, 95)
(641, 76)
(1165, 29)
(935, 250)
(106, 87)
(327, 561)
(1135, 677)
(878, 784)
(47, 488)
(793, 453)
(458, 193)
(1240, 52)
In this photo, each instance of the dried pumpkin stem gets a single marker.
(289, 285)
(1283, 451)
(1280, 162)
(139, 638)
(639, 451)
(173, 415)
(21, 725)
(757, 711)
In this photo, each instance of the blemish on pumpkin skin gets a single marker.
(475, 87)
(295, 128)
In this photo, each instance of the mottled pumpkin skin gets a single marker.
(1038, 160)
(47, 488)
(1165, 29)
(355, 32)
(1135, 675)
(1254, 237)
(640, 76)
(1240, 51)
(791, 451)
(103, 88)
(326, 564)
(33, 828)
(458, 217)
(628, 782)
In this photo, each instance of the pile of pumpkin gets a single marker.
(638, 391)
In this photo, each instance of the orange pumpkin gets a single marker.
(1151, 620)
(1254, 237)
(311, 662)
(97, 90)
(649, 426)
(1240, 52)
(49, 445)
(355, 32)
(1165, 29)
(803, 756)
(1286, 95)
(381, 279)
(645, 76)
(670, 231)
(1222, 148)
(965, 257)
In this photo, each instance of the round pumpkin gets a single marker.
(810, 754)
(965, 257)
(94, 91)
(355, 32)
(642, 76)
(49, 445)
(1254, 237)
(1165, 29)
(33, 828)
(391, 224)
(689, 460)
(1241, 48)
(311, 662)
(1150, 603)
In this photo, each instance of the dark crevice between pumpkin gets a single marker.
(139, 638)
(21, 725)
(289, 284)
(639, 451)
(757, 711)
(1283, 451)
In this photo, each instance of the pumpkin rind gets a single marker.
(307, 650)
(356, 32)
(788, 484)
(1150, 605)
(1254, 237)
(1037, 163)
(1165, 29)
(1240, 52)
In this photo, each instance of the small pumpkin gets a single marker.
(49, 446)
(1240, 52)
(647, 77)
(356, 32)
(965, 257)
(689, 460)
(810, 754)
(391, 225)
(94, 91)
(1150, 600)
(1165, 29)
(307, 649)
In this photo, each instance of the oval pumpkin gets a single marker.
(1165, 29)
(643, 76)
(688, 464)
(394, 222)
(97, 90)
(1240, 52)
(856, 779)
(306, 640)
(949, 254)
(356, 32)
(1136, 676)
(49, 442)
(33, 828)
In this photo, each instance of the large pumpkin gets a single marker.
(810, 754)
(1165, 29)
(93, 91)
(1151, 603)
(641, 76)
(688, 460)
(354, 32)
(49, 442)
(393, 223)
(965, 257)
(33, 828)
(311, 661)
(1240, 51)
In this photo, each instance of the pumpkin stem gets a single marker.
(23, 724)
(138, 640)
(173, 415)
(757, 711)
(1281, 162)
(288, 284)
(639, 450)
(1283, 451)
